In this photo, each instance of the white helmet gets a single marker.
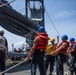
(2, 31)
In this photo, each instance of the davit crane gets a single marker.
(25, 26)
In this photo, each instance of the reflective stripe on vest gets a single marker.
(2, 43)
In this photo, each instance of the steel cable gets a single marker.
(52, 23)
(6, 3)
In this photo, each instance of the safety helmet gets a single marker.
(72, 39)
(52, 39)
(65, 37)
(41, 29)
(1, 31)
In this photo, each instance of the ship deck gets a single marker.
(24, 69)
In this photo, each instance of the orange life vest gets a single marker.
(65, 49)
(43, 41)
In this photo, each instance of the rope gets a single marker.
(21, 10)
(6, 3)
(52, 23)
(12, 67)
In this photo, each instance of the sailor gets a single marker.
(3, 50)
(60, 52)
(37, 51)
(72, 50)
(50, 59)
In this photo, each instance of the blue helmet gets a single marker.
(41, 29)
(72, 39)
(65, 37)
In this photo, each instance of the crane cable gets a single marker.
(21, 10)
(9, 3)
(52, 23)
(6, 3)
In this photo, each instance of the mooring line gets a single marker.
(12, 67)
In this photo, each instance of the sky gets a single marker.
(62, 13)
